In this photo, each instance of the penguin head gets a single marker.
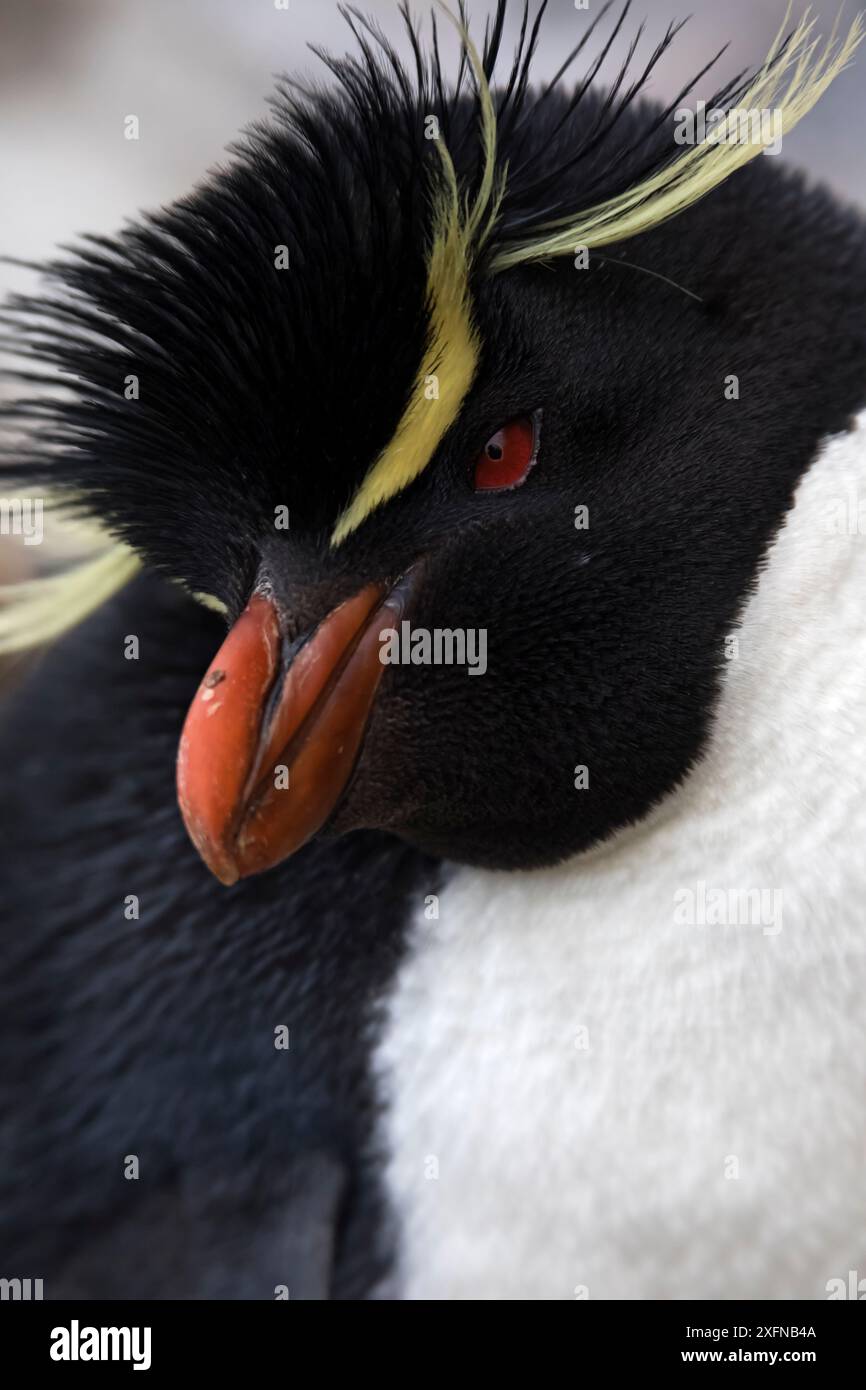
(476, 445)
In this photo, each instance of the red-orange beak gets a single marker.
(269, 744)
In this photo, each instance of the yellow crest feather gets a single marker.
(36, 611)
(702, 168)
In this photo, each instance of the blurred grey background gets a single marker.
(195, 71)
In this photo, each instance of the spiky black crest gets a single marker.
(242, 368)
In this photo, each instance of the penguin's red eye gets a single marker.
(507, 456)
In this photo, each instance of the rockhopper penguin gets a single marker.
(535, 977)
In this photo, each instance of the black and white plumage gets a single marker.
(427, 1133)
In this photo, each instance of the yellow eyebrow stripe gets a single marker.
(444, 377)
(453, 347)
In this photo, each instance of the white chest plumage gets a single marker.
(643, 1074)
